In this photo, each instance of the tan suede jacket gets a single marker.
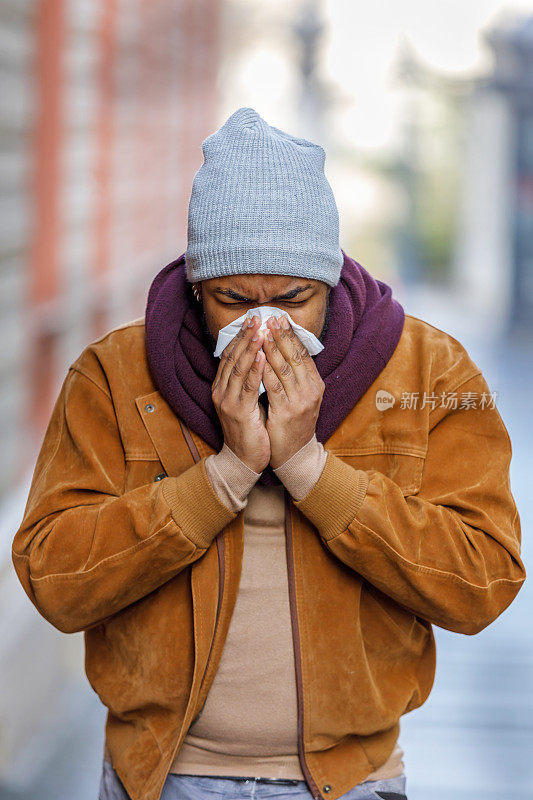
(411, 523)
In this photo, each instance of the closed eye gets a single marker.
(281, 302)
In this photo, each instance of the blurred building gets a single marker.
(426, 168)
(495, 246)
(466, 178)
(97, 160)
(104, 106)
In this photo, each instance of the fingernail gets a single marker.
(284, 323)
(270, 337)
(275, 322)
(258, 356)
(250, 321)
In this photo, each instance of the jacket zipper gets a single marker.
(296, 642)
(294, 618)
(221, 576)
(221, 548)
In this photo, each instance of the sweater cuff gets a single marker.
(334, 500)
(194, 505)
(231, 478)
(303, 469)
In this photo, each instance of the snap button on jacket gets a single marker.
(411, 524)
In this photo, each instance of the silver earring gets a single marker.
(196, 293)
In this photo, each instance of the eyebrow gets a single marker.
(287, 296)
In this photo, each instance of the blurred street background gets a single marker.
(425, 111)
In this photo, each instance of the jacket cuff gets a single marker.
(302, 470)
(334, 500)
(195, 506)
(231, 478)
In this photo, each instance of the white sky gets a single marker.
(362, 46)
(360, 51)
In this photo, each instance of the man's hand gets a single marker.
(295, 390)
(235, 394)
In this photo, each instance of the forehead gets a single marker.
(259, 282)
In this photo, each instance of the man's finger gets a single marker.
(232, 351)
(252, 380)
(299, 356)
(245, 364)
(274, 387)
(285, 370)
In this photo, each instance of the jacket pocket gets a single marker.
(402, 465)
(141, 470)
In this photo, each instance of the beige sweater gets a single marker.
(248, 726)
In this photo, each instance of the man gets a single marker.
(257, 575)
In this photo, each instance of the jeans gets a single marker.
(201, 787)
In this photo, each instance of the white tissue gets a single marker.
(228, 332)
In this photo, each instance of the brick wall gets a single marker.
(105, 105)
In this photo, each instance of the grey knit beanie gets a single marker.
(261, 203)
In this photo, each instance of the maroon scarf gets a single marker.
(364, 328)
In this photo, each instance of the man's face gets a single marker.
(227, 298)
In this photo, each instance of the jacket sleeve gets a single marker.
(449, 553)
(85, 549)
